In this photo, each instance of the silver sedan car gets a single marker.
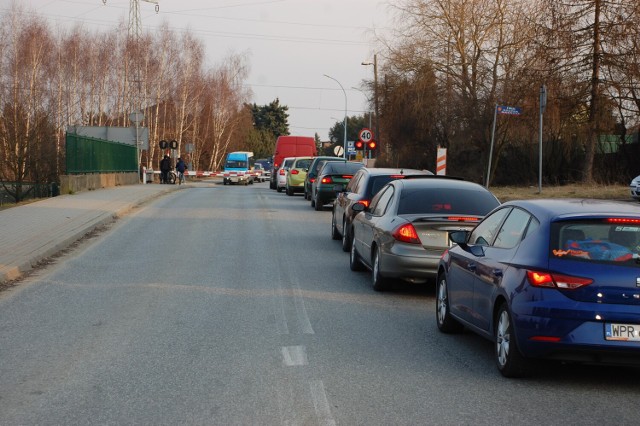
(634, 187)
(405, 230)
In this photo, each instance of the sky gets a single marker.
(291, 45)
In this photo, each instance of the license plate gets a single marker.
(625, 332)
(434, 238)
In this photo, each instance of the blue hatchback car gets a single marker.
(553, 279)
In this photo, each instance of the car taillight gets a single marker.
(294, 172)
(312, 180)
(364, 202)
(281, 173)
(407, 234)
(347, 176)
(326, 179)
(397, 176)
(565, 282)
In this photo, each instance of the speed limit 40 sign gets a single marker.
(365, 135)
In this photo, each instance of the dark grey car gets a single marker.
(332, 173)
(364, 185)
(312, 172)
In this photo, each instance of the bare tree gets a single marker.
(476, 48)
(224, 110)
(582, 38)
(26, 55)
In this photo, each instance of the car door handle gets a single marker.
(497, 272)
(471, 266)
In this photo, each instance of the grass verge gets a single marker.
(605, 192)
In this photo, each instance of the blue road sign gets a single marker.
(509, 110)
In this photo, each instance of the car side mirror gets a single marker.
(461, 237)
(357, 207)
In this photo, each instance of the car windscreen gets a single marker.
(446, 201)
(235, 164)
(609, 240)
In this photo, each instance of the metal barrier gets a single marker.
(92, 155)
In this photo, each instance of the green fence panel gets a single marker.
(92, 155)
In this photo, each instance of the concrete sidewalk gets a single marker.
(35, 231)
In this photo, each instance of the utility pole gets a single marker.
(135, 69)
(375, 96)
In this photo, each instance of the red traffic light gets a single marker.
(372, 145)
(359, 144)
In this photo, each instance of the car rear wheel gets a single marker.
(289, 191)
(354, 259)
(318, 205)
(380, 283)
(346, 236)
(334, 230)
(509, 360)
(446, 323)
(279, 189)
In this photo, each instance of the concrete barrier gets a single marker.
(76, 183)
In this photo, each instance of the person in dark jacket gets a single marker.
(180, 168)
(165, 168)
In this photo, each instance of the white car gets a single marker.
(281, 179)
(634, 187)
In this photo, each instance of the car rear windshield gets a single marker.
(610, 240)
(446, 201)
(377, 182)
(303, 164)
(335, 168)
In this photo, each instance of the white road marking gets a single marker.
(293, 356)
(301, 311)
(321, 404)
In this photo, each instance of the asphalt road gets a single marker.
(231, 305)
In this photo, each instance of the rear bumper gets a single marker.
(407, 266)
(579, 329)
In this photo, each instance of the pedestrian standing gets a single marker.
(165, 168)
(180, 168)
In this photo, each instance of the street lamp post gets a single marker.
(375, 94)
(345, 114)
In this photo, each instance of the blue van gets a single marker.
(237, 168)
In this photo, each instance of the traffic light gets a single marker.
(372, 145)
(359, 145)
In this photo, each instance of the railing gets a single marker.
(92, 155)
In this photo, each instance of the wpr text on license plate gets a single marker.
(627, 332)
